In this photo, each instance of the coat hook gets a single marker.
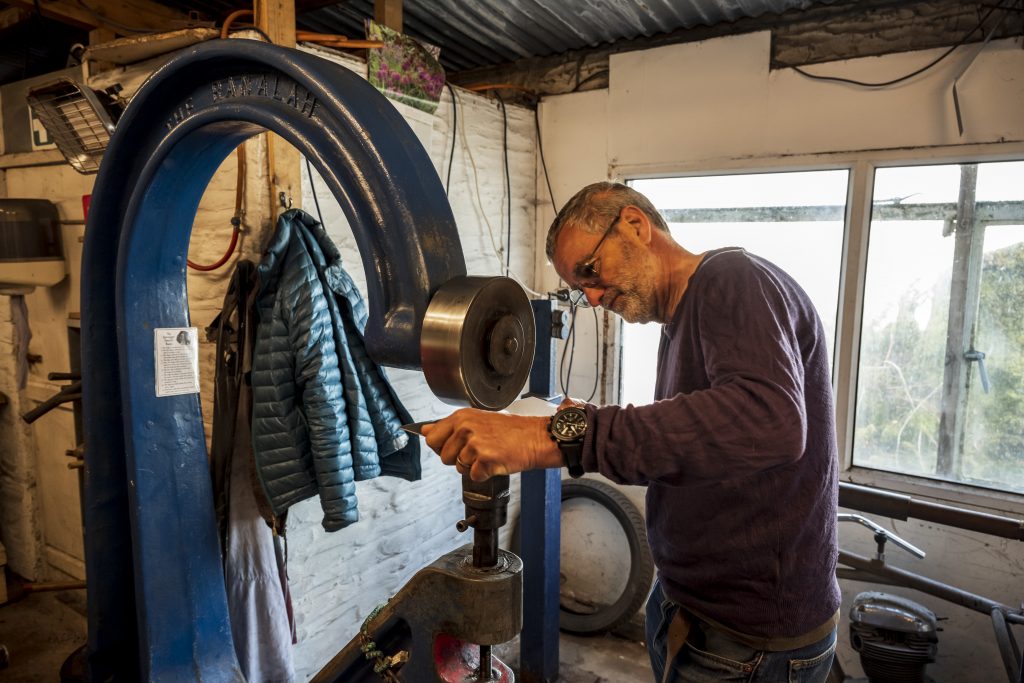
(285, 200)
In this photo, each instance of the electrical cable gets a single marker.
(455, 127)
(597, 357)
(480, 205)
(894, 81)
(572, 315)
(508, 184)
(963, 70)
(543, 163)
(591, 77)
(565, 373)
(526, 287)
(479, 195)
(554, 208)
(312, 187)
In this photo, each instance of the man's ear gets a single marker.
(639, 223)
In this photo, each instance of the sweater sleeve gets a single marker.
(750, 416)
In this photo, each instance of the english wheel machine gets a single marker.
(157, 605)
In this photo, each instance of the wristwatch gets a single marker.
(567, 428)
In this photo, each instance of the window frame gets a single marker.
(846, 360)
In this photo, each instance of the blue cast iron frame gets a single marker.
(157, 607)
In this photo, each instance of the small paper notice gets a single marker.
(177, 360)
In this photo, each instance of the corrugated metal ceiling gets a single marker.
(475, 33)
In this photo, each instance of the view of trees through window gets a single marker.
(941, 379)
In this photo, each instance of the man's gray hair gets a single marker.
(593, 208)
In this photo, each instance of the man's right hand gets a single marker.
(486, 444)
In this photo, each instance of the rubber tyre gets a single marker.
(641, 565)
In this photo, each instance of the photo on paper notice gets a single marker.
(176, 351)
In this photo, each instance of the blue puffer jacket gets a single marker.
(324, 416)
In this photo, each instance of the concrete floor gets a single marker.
(42, 629)
(596, 659)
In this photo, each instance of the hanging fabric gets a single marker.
(259, 604)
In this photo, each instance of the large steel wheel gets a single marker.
(478, 341)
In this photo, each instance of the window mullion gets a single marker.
(860, 190)
(963, 310)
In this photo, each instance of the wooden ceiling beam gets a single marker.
(284, 163)
(388, 13)
(12, 16)
(277, 19)
(116, 15)
(303, 6)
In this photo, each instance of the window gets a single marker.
(940, 390)
(794, 220)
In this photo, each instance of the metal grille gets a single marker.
(76, 121)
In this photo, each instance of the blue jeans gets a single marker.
(709, 655)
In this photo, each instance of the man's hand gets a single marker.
(486, 444)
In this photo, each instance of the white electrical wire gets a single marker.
(499, 252)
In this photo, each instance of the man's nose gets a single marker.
(593, 295)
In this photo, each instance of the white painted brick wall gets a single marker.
(338, 578)
(20, 518)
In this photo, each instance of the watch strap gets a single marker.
(572, 457)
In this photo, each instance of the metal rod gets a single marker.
(1007, 645)
(54, 586)
(898, 506)
(485, 547)
(484, 672)
(909, 579)
(71, 392)
(864, 521)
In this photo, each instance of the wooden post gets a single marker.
(963, 311)
(97, 36)
(277, 19)
(388, 13)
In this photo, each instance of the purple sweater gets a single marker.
(738, 452)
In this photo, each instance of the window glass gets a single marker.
(794, 220)
(940, 388)
(994, 422)
(906, 306)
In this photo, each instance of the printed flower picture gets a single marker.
(405, 69)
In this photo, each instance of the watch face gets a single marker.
(569, 424)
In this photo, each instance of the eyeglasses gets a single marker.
(586, 270)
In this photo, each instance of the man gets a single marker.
(738, 451)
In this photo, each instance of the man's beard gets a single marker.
(633, 297)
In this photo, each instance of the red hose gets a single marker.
(236, 221)
(223, 259)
